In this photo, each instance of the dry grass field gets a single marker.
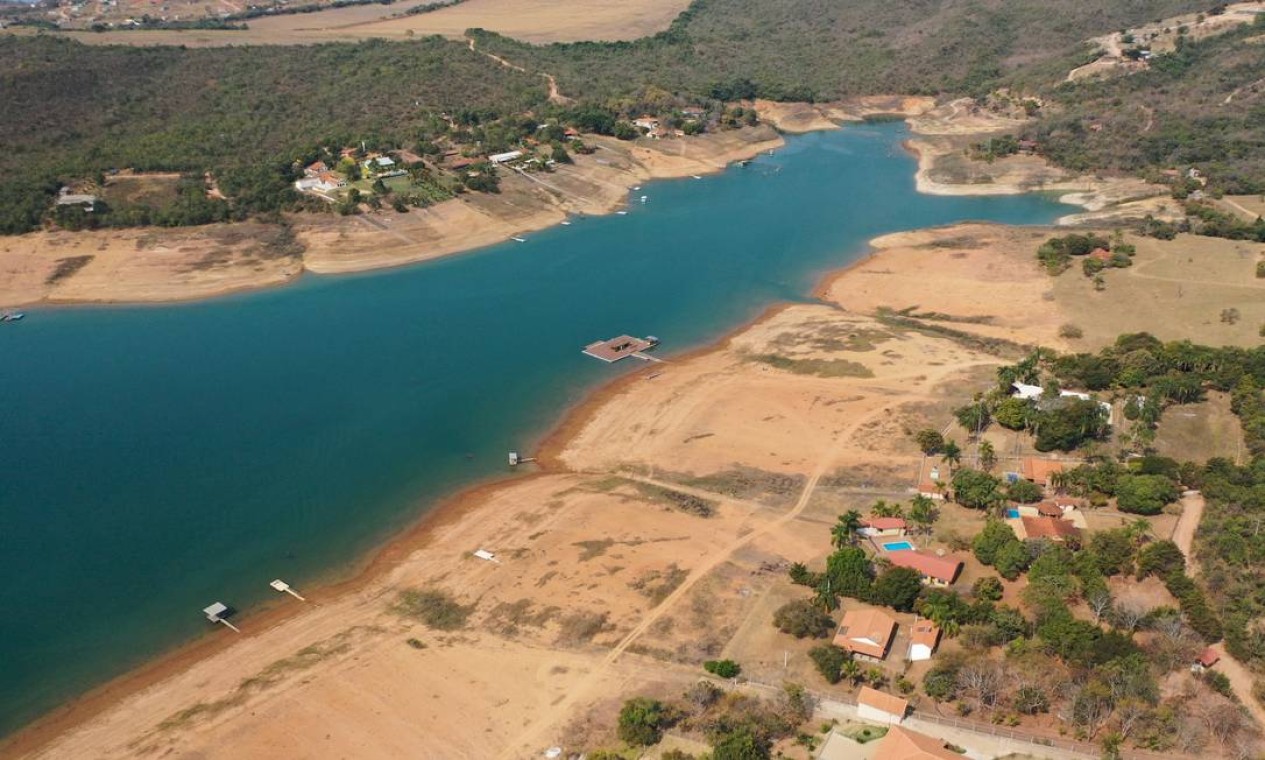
(536, 21)
(1175, 289)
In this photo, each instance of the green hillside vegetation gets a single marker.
(73, 111)
(1200, 106)
(818, 49)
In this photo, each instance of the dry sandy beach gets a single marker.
(656, 533)
(612, 580)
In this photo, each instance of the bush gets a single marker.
(803, 619)
(642, 721)
(929, 441)
(1071, 332)
(830, 661)
(988, 588)
(437, 609)
(723, 668)
(975, 489)
(1024, 492)
(897, 588)
(1144, 494)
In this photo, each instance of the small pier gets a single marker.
(217, 613)
(611, 351)
(285, 588)
(516, 459)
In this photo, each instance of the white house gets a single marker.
(501, 158)
(876, 706)
(924, 637)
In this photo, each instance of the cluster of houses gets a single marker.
(319, 178)
(868, 635)
(654, 128)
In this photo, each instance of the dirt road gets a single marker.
(1184, 531)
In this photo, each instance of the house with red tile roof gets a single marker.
(935, 570)
(879, 707)
(1052, 528)
(902, 744)
(866, 633)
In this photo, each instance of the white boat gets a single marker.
(622, 213)
(644, 198)
(519, 240)
(695, 176)
(566, 224)
(11, 316)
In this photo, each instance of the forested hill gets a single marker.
(1202, 106)
(826, 49)
(242, 114)
(72, 110)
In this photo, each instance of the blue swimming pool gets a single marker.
(898, 546)
(1012, 513)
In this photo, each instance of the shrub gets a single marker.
(897, 588)
(642, 721)
(975, 489)
(1071, 332)
(830, 661)
(803, 619)
(929, 441)
(1024, 492)
(723, 668)
(1144, 494)
(988, 588)
(437, 609)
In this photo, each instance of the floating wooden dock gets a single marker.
(611, 351)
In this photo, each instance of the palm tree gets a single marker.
(844, 532)
(922, 511)
(1059, 481)
(852, 671)
(952, 454)
(987, 456)
(882, 509)
(826, 599)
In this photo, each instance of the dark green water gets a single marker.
(157, 459)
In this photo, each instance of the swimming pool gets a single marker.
(898, 546)
(1012, 513)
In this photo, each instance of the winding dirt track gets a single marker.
(555, 96)
(531, 736)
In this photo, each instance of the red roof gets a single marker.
(884, 523)
(1102, 254)
(1050, 508)
(1049, 527)
(1039, 470)
(943, 569)
(1209, 657)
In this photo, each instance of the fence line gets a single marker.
(1087, 749)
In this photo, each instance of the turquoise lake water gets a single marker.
(160, 458)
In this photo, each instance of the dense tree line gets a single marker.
(817, 49)
(249, 116)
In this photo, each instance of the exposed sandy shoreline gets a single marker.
(943, 132)
(151, 265)
(983, 264)
(271, 630)
(578, 538)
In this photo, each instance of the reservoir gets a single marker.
(160, 458)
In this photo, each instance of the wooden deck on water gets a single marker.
(611, 351)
